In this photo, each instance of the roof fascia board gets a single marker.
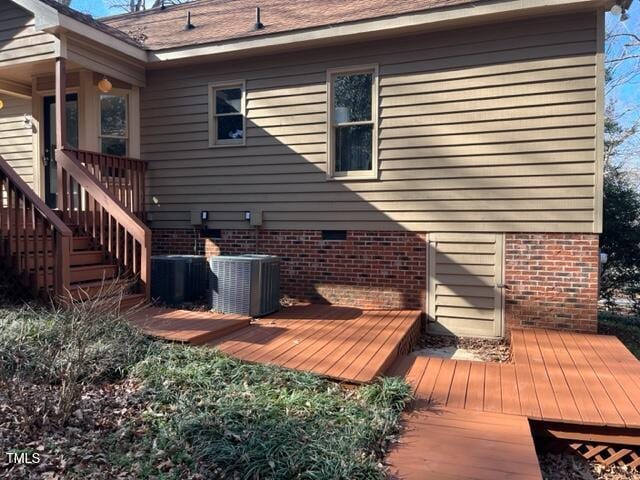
(50, 20)
(460, 14)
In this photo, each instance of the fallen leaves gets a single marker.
(71, 449)
(568, 466)
(488, 350)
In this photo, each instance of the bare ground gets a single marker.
(487, 350)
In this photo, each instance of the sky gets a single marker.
(97, 8)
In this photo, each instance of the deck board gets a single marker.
(188, 326)
(446, 444)
(555, 376)
(343, 343)
(564, 396)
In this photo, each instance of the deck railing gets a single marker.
(90, 197)
(123, 176)
(34, 242)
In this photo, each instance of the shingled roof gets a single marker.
(223, 20)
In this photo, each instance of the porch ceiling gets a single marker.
(18, 79)
(23, 73)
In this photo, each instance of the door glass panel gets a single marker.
(50, 169)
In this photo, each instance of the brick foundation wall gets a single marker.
(552, 281)
(367, 270)
(552, 278)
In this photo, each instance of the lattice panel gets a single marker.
(609, 454)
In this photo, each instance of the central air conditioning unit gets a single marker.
(245, 284)
(176, 279)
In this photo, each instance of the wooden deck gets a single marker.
(187, 325)
(447, 444)
(343, 343)
(554, 377)
(470, 420)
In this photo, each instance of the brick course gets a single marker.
(552, 280)
(367, 270)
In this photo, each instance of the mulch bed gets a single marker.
(572, 467)
(488, 350)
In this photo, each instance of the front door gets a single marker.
(50, 172)
(465, 284)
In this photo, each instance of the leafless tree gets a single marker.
(622, 126)
(622, 57)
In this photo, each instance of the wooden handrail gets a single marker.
(33, 197)
(94, 206)
(123, 176)
(26, 229)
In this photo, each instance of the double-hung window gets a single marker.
(227, 125)
(114, 124)
(353, 122)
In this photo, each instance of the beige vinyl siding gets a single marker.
(19, 40)
(484, 129)
(16, 141)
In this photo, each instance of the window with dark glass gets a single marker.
(228, 115)
(114, 130)
(352, 122)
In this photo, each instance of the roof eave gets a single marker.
(50, 20)
(430, 19)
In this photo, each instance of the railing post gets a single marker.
(63, 260)
(61, 121)
(145, 266)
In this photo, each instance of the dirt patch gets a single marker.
(467, 348)
(572, 467)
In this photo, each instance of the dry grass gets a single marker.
(78, 344)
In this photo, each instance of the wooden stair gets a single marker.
(92, 244)
(91, 269)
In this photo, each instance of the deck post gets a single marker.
(61, 122)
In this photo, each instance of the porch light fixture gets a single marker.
(1, 104)
(104, 85)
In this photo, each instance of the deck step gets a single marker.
(195, 327)
(132, 301)
(84, 290)
(86, 257)
(451, 443)
(93, 273)
(82, 242)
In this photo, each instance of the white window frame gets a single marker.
(331, 125)
(116, 93)
(213, 116)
